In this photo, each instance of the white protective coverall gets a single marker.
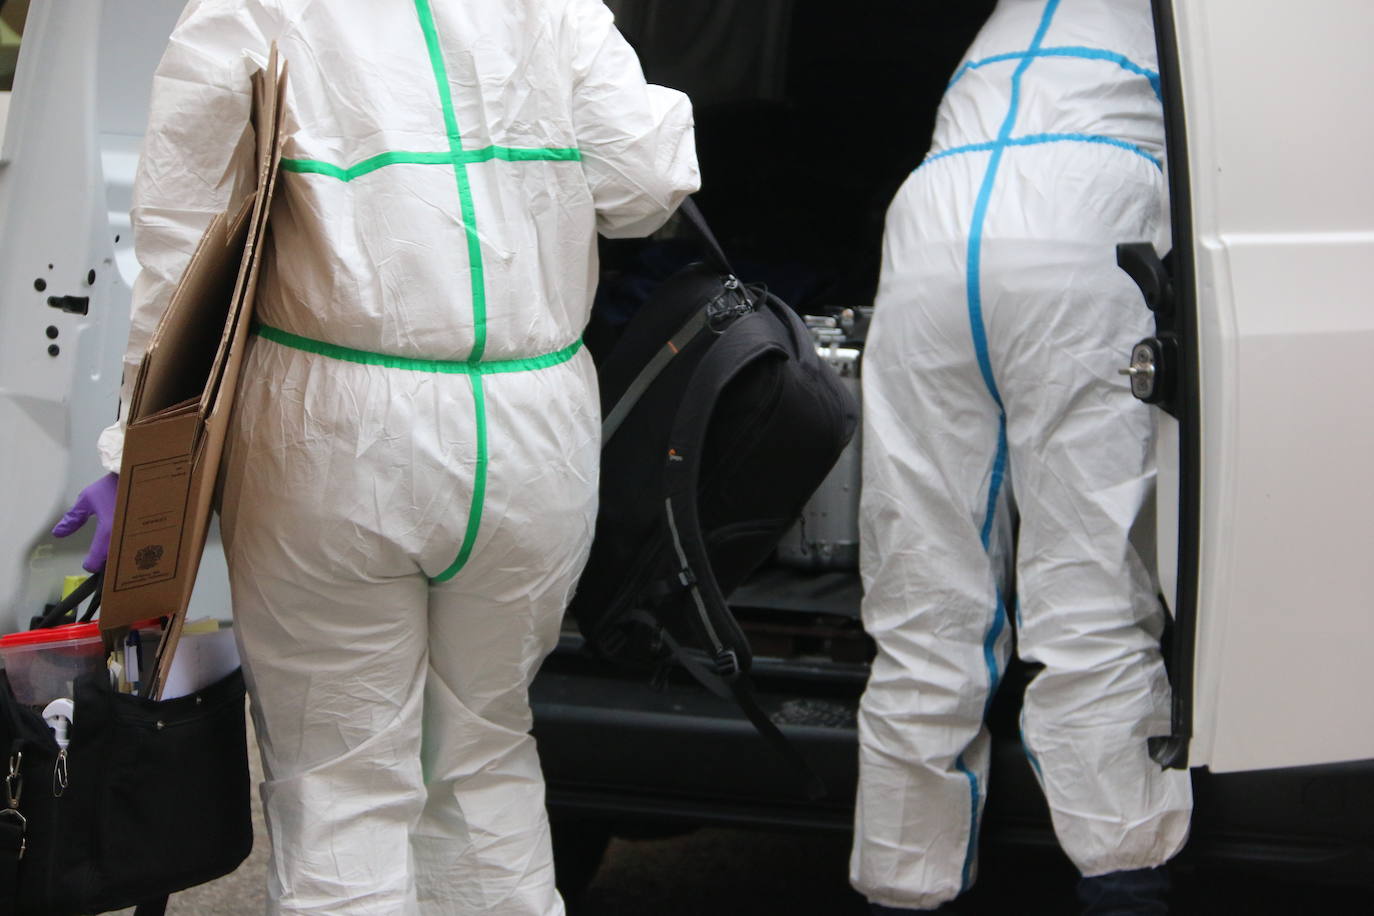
(991, 368)
(410, 484)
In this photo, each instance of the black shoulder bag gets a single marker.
(148, 798)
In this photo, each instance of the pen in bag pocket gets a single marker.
(133, 660)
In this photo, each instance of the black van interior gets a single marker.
(809, 115)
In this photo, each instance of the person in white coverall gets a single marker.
(410, 483)
(991, 370)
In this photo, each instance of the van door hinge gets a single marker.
(72, 305)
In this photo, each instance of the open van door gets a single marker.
(1263, 360)
(69, 141)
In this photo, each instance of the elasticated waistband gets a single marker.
(441, 366)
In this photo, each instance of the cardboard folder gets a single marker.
(179, 413)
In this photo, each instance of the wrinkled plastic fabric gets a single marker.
(402, 540)
(990, 385)
(390, 245)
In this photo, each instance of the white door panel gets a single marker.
(1277, 101)
(1287, 609)
(70, 147)
(52, 212)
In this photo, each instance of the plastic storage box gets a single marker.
(42, 664)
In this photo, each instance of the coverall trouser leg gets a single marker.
(392, 709)
(1081, 453)
(931, 605)
(939, 464)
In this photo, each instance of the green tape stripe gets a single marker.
(401, 157)
(479, 485)
(517, 154)
(455, 142)
(438, 366)
(314, 166)
(479, 291)
(475, 266)
(436, 63)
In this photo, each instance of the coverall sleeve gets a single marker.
(637, 140)
(197, 159)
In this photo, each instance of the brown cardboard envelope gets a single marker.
(179, 414)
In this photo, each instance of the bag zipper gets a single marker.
(14, 790)
(733, 302)
(59, 773)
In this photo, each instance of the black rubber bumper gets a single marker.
(614, 746)
(617, 750)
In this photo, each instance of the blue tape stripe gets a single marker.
(1034, 761)
(1081, 53)
(999, 472)
(980, 209)
(1121, 60)
(1040, 139)
(983, 62)
(980, 343)
(999, 623)
(985, 147)
(999, 620)
(974, 794)
(1026, 748)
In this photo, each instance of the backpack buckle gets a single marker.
(659, 680)
(611, 640)
(732, 302)
(727, 663)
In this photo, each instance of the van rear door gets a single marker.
(1270, 561)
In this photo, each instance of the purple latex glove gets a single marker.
(98, 499)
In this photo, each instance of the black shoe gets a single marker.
(1142, 892)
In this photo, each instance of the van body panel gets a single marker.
(1276, 107)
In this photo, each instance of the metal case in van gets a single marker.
(827, 534)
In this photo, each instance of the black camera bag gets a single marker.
(720, 422)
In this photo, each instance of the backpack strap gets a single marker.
(58, 612)
(715, 254)
(723, 671)
(721, 308)
(684, 336)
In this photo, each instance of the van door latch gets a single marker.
(1154, 361)
(1147, 382)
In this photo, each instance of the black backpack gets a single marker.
(720, 421)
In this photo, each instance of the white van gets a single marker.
(810, 113)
